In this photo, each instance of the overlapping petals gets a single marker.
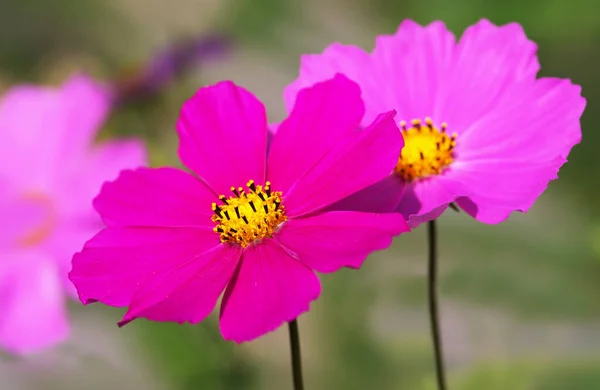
(159, 255)
(514, 131)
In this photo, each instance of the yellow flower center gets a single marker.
(246, 217)
(45, 228)
(427, 150)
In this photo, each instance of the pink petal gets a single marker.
(500, 187)
(18, 217)
(547, 115)
(86, 105)
(360, 160)
(23, 133)
(337, 239)
(81, 182)
(348, 60)
(45, 129)
(417, 219)
(156, 197)
(324, 116)
(489, 61)
(416, 63)
(223, 136)
(269, 289)
(381, 197)
(429, 75)
(427, 199)
(499, 170)
(32, 303)
(506, 169)
(67, 239)
(119, 260)
(189, 292)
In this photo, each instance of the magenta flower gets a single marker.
(250, 223)
(49, 173)
(479, 128)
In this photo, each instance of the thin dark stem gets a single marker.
(433, 305)
(295, 352)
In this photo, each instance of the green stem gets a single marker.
(432, 286)
(295, 353)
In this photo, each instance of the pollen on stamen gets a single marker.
(246, 217)
(427, 151)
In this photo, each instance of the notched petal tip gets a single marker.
(339, 85)
(227, 123)
(109, 186)
(333, 86)
(87, 301)
(126, 320)
(385, 122)
(412, 26)
(342, 78)
(269, 289)
(227, 85)
(408, 24)
(514, 32)
(387, 116)
(487, 23)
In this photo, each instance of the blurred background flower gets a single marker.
(519, 300)
(50, 171)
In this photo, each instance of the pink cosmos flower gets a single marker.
(479, 128)
(49, 173)
(245, 221)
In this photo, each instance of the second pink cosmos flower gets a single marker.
(480, 128)
(252, 223)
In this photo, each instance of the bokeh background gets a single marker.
(520, 301)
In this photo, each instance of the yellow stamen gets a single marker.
(246, 217)
(427, 150)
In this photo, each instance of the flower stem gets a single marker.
(295, 352)
(433, 305)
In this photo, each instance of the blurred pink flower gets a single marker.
(175, 241)
(49, 173)
(479, 128)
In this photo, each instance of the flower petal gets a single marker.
(80, 183)
(269, 289)
(57, 123)
(489, 61)
(416, 63)
(538, 123)
(165, 197)
(67, 239)
(223, 136)
(18, 216)
(329, 241)
(119, 260)
(500, 187)
(506, 169)
(427, 199)
(381, 197)
(352, 62)
(362, 159)
(187, 293)
(86, 104)
(33, 308)
(324, 116)
(23, 132)
(429, 75)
